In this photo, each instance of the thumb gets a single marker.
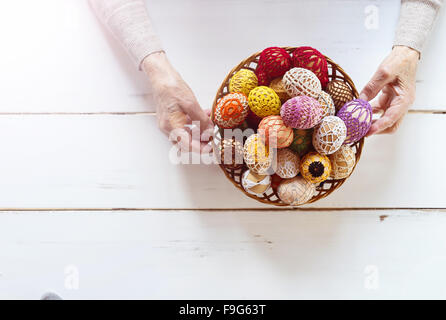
(380, 79)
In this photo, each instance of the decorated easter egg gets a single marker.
(255, 183)
(357, 116)
(231, 110)
(329, 135)
(231, 153)
(256, 155)
(327, 104)
(277, 85)
(296, 191)
(287, 165)
(315, 167)
(301, 82)
(262, 77)
(340, 92)
(311, 59)
(263, 101)
(342, 162)
(301, 112)
(274, 61)
(243, 81)
(301, 141)
(274, 132)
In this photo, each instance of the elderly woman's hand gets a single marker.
(175, 102)
(395, 79)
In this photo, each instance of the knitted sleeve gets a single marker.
(129, 22)
(416, 20)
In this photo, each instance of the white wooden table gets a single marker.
(91, 208)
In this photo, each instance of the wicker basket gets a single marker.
(335, 72)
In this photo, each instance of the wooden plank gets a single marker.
(209, 255)
(122, 161)
(59, 59)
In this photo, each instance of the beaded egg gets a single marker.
(340, 92)
(301, 141)
(263, 101)
(231, 153)
(329, 135)
(311, 59)
(274, 61)
(231, 110)
(274, 132)
(255, 183)
(243, 81)
(301, 82)
(357, 115)
(342, 162)
(296, 191)
(287, 165)
(256, 155)
(327, 104)
(315, 167)
(301, 112)
(277, 85)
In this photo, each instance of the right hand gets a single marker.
(176, 105)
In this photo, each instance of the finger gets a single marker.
(374, 86)
(208, 112)
(195, 112)
(393, 128)
(387, 120)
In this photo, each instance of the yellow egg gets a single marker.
(315, 167)
(256, 155)
(263, 101)
(243, 81)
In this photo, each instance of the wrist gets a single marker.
(408, 52)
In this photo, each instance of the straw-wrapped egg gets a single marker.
(340, 92)
(274, 61)
(327, 104)
(231, 110)
(357, 116)
(287, 165)
(231, 153)
(277, 85)
(311, 59)
(301, 82)
(315, 167)
(243, 81)
(256, 155)
(329, 135)
(301, 112)
(263, 101)
(274, 132)
(301, 141)
(255, 183)
(296, 191)
(342, 162)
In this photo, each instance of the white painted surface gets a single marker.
(113, 161)
(223, 255)
(55, 57)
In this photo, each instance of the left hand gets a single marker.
(395, 79)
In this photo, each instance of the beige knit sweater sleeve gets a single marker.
(130, 24)
(416, 21)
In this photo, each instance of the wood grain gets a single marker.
(116, 161)
(208, 255)
(57, 58)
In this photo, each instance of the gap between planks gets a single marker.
(421, 111)
(3, 210)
